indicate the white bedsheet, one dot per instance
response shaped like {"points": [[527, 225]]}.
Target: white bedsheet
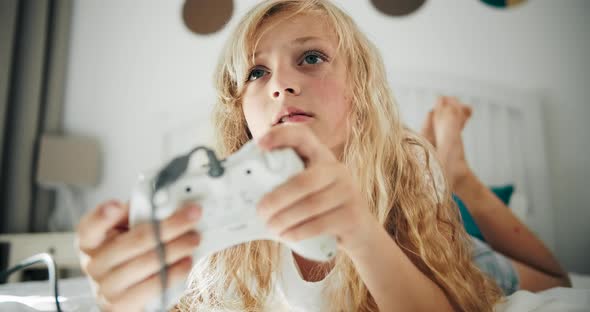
{"points": [[75, 295], [555, 299]]}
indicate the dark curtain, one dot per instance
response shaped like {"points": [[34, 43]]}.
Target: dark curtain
{"points": [[33, 56]]}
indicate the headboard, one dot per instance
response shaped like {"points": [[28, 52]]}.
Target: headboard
{"points": [[504, 140]]}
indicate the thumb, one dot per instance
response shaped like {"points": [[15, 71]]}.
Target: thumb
{"points": [[96, 226]]}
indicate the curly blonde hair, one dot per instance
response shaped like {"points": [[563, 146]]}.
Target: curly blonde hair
{"points": [[387, 160]]}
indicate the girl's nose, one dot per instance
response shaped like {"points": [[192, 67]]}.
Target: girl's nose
{"points": [[277, 94], [285, 82]]}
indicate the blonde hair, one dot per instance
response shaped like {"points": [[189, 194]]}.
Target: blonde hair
{"points": [[386, 159]]}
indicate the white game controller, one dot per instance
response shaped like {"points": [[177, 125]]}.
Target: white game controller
{"points": [[229, 201]]}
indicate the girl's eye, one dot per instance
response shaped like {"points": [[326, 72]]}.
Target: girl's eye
{"points": [[312, 57], [255, 74], [309, 57]]}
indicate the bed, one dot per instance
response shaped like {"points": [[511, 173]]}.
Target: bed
{"points": [[75, 295]]}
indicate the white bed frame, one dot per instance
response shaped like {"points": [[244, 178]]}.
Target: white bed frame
{"points": [[504, 140]]}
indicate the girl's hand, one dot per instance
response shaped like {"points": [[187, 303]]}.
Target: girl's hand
{"points": [[123, 264], [322, 199]]}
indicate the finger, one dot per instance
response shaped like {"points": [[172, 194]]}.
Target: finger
{"points": [[327, 222], [115, 232], [135, 298], [309, 207], [300, 138], [94, 227], [147, 264], [86, 257], [141, 239], [296, 188]]}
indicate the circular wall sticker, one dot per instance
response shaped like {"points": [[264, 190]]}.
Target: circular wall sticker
{"points": [[206, 16], [398, 7], [503, 3]]}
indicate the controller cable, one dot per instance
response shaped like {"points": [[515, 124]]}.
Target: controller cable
{"points": [[166, 176], [51, 268]]}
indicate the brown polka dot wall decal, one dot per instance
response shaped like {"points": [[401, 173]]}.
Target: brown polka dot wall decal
{"points": [[206, 16], [397, 7]]}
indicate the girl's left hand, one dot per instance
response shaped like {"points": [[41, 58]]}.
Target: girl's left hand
{"points": [[322, 199]]}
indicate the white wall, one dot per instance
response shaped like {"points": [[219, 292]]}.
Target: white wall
{"points": [[135, 69]]}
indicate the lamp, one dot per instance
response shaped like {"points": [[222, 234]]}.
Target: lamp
{"points": [[69, 164]]}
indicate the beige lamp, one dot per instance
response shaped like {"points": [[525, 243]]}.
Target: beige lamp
{"points": [[69, 164]]}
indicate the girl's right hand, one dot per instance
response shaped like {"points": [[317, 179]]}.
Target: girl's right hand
{"points": [[123, 264]]}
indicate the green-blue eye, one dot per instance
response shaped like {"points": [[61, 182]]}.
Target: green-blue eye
{"points": [[255, 74], [313, 57]]}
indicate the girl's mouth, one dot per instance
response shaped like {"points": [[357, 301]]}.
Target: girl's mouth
{"points": [[295, 117]]}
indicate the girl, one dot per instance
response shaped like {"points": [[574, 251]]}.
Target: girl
{"points": [[300, 74]]}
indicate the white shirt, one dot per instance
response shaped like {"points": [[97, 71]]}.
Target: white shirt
{"points": [[300, 294]]}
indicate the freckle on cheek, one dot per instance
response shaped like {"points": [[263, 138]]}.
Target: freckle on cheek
{"points": [[516, 230]]}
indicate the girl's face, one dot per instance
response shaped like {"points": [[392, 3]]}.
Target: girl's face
{"points": [[296, 69]]}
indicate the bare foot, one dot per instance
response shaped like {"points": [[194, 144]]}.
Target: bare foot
{"points": [[448, 119], [428, 129]]}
